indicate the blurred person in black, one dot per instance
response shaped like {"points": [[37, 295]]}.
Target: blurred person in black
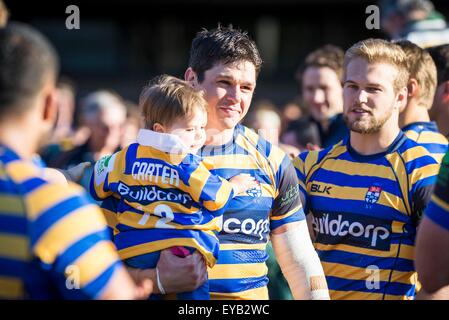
{"points": [[64, 136], [132, 125], [414, 20], [103, 113], [303, 135], [65, 100], [440, 108], [291, 111], [320, 79]]}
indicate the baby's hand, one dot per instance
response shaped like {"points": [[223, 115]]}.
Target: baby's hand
{"points": [[243, 182]]}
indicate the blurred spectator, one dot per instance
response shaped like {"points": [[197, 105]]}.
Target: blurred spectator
{"points": [[440, 109], [291, 111], [320, 78], [65, 101], [414, 20], [103, 113], [302, 133], [265, 118], [4, 14], [132, 125]]}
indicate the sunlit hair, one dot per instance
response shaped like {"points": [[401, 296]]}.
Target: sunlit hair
{"points": [[327, 56], [381, 51], [423, 69], [167, 99]]}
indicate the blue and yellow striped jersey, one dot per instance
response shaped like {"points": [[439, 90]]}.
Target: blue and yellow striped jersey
{"points": [[241, 272], [427, 135], [365, 210], [438, 208], [155, 198], [53, 241]]}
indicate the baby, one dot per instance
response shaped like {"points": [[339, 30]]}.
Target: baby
{"points": [[157, 193]]}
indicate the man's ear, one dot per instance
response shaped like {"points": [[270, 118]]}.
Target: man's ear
{"points": [[412, 88], [191, 77], [49, 112], [402, 98]]}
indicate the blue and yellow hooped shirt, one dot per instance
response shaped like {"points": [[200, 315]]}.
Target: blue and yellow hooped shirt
{"points": [[241, 272], [156, 195], [365, 211]]}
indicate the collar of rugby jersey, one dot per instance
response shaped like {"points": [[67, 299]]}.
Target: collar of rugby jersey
{"points": [[162, 141]]}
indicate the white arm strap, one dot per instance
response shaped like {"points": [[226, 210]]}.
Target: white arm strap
{"points": [[300, 264]]}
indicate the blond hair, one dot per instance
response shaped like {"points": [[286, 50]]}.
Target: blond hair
{"points": [[167, 99], [381, 51], [422, 68]]}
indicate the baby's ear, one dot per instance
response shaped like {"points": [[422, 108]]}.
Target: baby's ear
{"points": [[158, 128]]}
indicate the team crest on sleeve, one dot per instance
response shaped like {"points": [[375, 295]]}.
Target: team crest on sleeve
{"points": [[102, 168], [373, 194], [255, 192]]}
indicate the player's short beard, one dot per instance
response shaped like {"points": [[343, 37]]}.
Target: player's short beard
{"points": [[372, 126]]}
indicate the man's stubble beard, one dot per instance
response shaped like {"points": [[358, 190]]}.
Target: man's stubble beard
{"points": [[374, 125]]}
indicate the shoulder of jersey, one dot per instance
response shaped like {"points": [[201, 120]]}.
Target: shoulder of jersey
{"points": [[310, 158], [262, 145], [411, 150]]}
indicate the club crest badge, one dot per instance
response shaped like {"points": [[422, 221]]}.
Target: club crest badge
{"points": [[373, 194], [255, 192]]}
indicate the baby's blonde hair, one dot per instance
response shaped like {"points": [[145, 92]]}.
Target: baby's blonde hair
{"points": [[167, 99]]}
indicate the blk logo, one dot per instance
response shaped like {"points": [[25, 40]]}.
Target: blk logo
{"points": [[320, 188]]}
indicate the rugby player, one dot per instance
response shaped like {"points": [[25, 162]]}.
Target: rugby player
{"points": [[224, 62], [53, 240], [432, 243], [365, 195], [414, 117]]}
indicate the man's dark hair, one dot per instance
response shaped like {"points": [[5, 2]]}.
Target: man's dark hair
{"points": [[326, 56], [440, 55], [222, 45], [27, 60]]}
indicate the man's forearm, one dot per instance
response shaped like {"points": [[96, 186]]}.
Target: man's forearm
{"points": [[299, 263]]}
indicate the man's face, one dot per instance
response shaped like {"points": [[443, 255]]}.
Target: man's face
{"points": [[228, 90], [369, 97], [322, 92], [107, 128]]}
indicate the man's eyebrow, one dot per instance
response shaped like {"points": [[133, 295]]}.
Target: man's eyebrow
{"points": [[373, 84], [228, 77], [369, 84]]}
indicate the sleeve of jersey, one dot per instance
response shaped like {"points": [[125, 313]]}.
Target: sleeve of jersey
{"points": [[299, 165], [287, 205], [69, 235], [210, 191], [438, 208], [423, 179], [99, 182]]}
